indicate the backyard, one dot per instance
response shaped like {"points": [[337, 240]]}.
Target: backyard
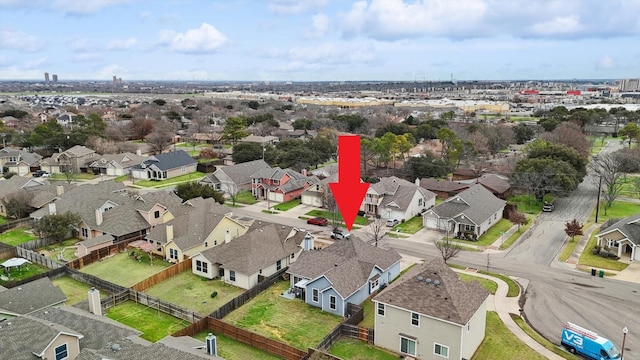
{"points": [[124, 270], [20, 272], [3, 220], [290, 321], [76, 291], [231, 349], [501, 344], [17, 236], [153, 324], [194, 292], [66, 248], [347, 348], [168, 182]]}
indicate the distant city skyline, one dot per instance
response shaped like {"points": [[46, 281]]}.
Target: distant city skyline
{"points": [[319, 40]]}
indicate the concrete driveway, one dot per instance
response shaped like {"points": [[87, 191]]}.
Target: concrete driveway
{"points": [[631, 273]]}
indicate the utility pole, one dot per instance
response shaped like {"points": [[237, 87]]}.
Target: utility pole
{"points": [[598, 201]]}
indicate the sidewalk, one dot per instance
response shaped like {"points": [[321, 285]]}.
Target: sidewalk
{"points": [[505, 306]]}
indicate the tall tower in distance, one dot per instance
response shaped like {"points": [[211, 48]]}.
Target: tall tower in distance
{"points": [[55, 78], [46, 77]]}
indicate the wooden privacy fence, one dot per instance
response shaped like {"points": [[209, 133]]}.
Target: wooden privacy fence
{"points": [[164, 306], [102, 253], [241, 299], [50, 274], [7, 251], [35, 244], [357, 332], [96, 281], [193, 329], [16, 223], [154, 279], [37, 258]]}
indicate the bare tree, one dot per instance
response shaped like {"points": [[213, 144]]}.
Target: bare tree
{"points": [[17, 204], [375, 229], [330, 203], [448, 249], [232, 191], [161, 137], [570, 135], [608, 168]]}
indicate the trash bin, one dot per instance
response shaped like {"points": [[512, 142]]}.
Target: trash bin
{"points": [[601, 274], [593, 272]]}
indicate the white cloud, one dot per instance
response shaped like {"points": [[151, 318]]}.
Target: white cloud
{"points": [[18, 40], [557, 26], [87, 57], [108, 71], [205, 39], [80, 44], [35, 64], [84, 7], [17, 73], [319, 26], [290, 7], [122, 44], [605, 62]]}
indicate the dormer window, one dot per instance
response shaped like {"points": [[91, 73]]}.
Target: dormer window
{"points": [[156, 214]]}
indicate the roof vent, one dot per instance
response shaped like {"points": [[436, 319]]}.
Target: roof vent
{"points": [[436, 282], [115, 347], [428, 281], [420, 278]]}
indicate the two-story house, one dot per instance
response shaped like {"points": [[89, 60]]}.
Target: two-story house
{"points": [[393, 198], [235, 178], [429, 313], [75, 159], [19, 161], [279, 185]]}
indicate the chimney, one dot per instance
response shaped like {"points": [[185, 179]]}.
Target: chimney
{"points": [[307, 242], [212, 345], [169, 228], [304, 172], [59, 190], [98, 216], [52, 208], [94, 302], [417, 181], [227, 237], [139, 152]]}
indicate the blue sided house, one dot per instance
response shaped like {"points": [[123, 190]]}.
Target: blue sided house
{"points": [[347, 271]]}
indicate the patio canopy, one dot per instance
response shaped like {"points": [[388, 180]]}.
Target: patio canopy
{"points": [[301, 283], [142, 245], [15, 262]]}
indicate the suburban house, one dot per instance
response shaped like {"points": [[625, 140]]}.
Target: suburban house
{"points": [[115, 164], [393, 198], [30, 298], [75, 159], [429, 313], [45, 340], [235, 178], [37, 192], [347, 271], [316, 194], [622, 237], [65, 119], [469, 214], [262, 251], [85, 247], [260, 140], [444, 189], [51, 164], [165, 166], [278, 185], [134, 214], [18, 161], [206, 224]]}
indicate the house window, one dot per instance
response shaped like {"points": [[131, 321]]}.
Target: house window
{"points": [[260, 271], [85, 232], [183, 169], [407, 346], [173, 254], [293, 255], [202, 266], [215, 242], [612, 243], [276, 182], [441, 350], [469, 228], [278, 265], [232, 275], [315, 295], [156, 214], [420, 202], [332, 302], [373, 285], [206, 244], [61, 352], [317, 187], [415, 319], [381, 309]]}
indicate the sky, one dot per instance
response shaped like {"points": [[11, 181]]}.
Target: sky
{"points": [[319, 40]]}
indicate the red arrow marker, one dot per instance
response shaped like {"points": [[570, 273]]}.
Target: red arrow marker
{"points": [[349, 191]]}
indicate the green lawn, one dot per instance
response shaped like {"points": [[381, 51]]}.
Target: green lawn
{"points": [[231, 349], [490, 285], [527, 203], [194, 292], [501, 344], [514, 288], [3, 220], [347, 349], [360, 220], [66, 248], [619, 210], [587, 258], [76, 291], [541, 340], [290, 321], [17, 236], [369, 314], [287, 205], [24, 272], [523, 228], [629, 187], [494, 233], [245, 197], [153, 324], [77, 176], [121, 178], [168, 182], [124, 270], [410, 226]]}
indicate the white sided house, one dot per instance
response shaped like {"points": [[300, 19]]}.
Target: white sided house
{"points": [[430, 314], [622, 237], [393, 198]]}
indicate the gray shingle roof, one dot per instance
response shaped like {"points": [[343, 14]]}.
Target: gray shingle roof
{"points": [[96, 241], [443, 185], [452, 300], [23, 336], [629, 226], [78, 151], [261, 246], [167, 161], [346, 263], [476, 203], [125, 160], [30, 297], [10, 186], [129, 350], [240, 174]]}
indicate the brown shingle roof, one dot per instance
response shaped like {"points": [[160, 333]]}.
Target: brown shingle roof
{"points": [[451, 300]]}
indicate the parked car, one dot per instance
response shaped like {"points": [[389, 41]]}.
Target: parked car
{"points": [[39, 173], [339, 234], [318, 221], [392, 222], [548, 207]]}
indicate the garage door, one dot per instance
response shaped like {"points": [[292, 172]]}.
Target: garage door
{"points": [[432, 223]]}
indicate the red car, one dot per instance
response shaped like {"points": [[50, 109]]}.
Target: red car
{"points": [[318, 221]]}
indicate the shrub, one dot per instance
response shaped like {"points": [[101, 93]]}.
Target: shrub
{"points": [[214, 294], [604, 253]]}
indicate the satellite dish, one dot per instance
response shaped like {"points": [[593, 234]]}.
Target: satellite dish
{"points": [[115, 347], [428, 281], [436, 282], [420, 278]]}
